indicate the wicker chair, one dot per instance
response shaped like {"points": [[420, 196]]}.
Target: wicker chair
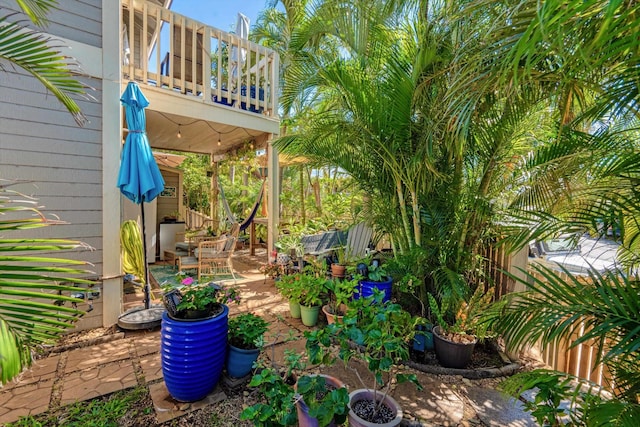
{"points": [[212, 257]]}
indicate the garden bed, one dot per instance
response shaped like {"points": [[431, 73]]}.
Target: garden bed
{"points": [[487, 361]]}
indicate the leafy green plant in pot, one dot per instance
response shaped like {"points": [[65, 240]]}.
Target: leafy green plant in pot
{"points": [[290, 288], [378, 333], [454, 343], [377, 278], [340, 293], [339, 266], [423, 339], [312, 294], [319, 400], [277, 407], [246, 339], [289, 246], [191, 368], [186, 299]]}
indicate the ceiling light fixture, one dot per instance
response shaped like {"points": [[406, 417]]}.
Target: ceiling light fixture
{"points": [[219, 141], [179, 135]]}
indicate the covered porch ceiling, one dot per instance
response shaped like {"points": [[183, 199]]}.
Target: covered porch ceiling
{"points": [[181, 122], [180, 133]]}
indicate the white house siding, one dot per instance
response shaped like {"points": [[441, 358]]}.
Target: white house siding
{"points": [[40, 142]]}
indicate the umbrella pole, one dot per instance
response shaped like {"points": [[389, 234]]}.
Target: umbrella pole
{"points": [[147, 290]]}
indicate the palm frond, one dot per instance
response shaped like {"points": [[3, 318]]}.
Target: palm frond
{"points": [[33, 285], [35, 53], [37, 10], [559, 304]]}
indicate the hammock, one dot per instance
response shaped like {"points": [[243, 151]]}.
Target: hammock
{"points": [[247, 221]]}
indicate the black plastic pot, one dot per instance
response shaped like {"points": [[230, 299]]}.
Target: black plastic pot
{"points": [[452, 354]]}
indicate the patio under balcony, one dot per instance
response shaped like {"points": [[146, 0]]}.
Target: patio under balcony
{"points": [[210, 91]]}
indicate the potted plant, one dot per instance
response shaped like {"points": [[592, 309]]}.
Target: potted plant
{"points": [[378, 333], [193, 337], [272, 270], [339, 264], [454, 343], [312, 291], [246, 339], [319, 400], [375, 277], [290, 289], [340, 293], [408, 285], [289, 247]]}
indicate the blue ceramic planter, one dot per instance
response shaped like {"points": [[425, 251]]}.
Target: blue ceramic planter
{"points": [[367, 287], [423, 340], [192, 353], [240, 361]]}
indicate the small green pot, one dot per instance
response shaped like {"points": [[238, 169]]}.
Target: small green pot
{"points": [[309, 315], [294, 309]]}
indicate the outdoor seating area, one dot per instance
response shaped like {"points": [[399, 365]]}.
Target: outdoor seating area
{"points": [[442, 223]]}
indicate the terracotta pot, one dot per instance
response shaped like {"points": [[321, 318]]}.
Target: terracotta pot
{"points": [[333, 318], [452, 354], [338, 270], [365, 394]]}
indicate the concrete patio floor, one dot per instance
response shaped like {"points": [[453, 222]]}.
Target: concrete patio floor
{"points": [[131, 358]]}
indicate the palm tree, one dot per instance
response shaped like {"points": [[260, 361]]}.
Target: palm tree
{"points": [[582, 56], [436, 184], [606, 306], [32, 282]]}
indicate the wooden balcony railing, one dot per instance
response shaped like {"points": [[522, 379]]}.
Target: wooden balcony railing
{"points": [[177, 53]]}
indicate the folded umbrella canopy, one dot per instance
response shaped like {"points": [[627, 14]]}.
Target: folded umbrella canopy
{"points": [[139, 178]]}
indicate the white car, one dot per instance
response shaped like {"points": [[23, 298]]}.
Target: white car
{"points": [[581, 256]]}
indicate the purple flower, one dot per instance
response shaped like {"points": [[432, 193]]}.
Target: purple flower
{"points": [[187, 281]]}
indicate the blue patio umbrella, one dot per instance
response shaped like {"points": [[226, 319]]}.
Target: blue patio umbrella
{"points": [[139, 178]]}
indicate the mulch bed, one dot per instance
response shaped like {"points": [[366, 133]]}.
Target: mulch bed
{"points": [[487, 361]]}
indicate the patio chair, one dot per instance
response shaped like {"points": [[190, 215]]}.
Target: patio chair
{"points": [[212, 257], [358, 241]]}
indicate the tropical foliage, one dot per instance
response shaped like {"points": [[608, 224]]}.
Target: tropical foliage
{"points": [[558, 307], [34, 285], [475, 123], [36, 54], [433, 182]]}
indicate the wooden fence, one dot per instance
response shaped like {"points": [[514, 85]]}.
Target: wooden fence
{"points": [[579, 360]]}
